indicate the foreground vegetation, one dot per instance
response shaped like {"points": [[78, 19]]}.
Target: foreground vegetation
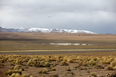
{"points": [[60, 65]]}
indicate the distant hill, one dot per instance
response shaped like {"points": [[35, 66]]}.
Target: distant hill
{"points": [[45, 30]]}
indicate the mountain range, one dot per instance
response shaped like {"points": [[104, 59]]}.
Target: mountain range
{"points": [[44, 30]]}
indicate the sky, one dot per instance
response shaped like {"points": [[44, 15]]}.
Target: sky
{"points": [[93, 15]]}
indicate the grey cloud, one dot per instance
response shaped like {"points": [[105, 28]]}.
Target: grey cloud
{"points": [[75, 14]]}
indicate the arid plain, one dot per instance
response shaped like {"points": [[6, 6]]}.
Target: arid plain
{"points": [[33, 55]]}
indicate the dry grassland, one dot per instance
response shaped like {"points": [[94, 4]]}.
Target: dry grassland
{"points": [[34, 41], [27, 56], [102, 64]]}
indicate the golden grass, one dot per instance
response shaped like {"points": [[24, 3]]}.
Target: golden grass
{"points": [[101, 60], [33, 41], [59, 36]]}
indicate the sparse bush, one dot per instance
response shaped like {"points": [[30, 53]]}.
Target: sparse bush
{"points": [[93, 74], [47, 64], [43, 71], [25, 75], [17, 75], [92, 62], [109, 68], [18, 62], [113, 64], [10, 72], [70, 61], [17, 67], [80, 63], [13, 75], [52, 69], [63, 63]]}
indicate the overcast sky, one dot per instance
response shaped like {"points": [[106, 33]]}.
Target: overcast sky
{"points": [[94, 15]]}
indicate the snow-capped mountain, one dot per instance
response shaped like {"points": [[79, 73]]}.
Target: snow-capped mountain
{"points": [[45, 30]]}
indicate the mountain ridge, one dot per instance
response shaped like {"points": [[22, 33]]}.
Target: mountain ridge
{"points": [[45, 30]]}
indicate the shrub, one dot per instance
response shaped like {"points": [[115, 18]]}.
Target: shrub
{"points": [[92, 62], [80, 63], [18, 62], [25, 75], [70, 61], [64, 63], [17, 67], [109, 68], [93, 74], [17, 75], [13, 75], [114, 67], [47, 64], [43, 71], [52, 69], [113, 63], [10, 72]]}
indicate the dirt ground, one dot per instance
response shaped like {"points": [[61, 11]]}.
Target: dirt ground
{"points": [[56, 69], [51, 52], [61, 71]]}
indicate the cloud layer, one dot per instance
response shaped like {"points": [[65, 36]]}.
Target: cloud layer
{"points": [[94, 15]]}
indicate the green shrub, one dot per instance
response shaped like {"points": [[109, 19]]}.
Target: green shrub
{"points": [[93, 74], [47, 64]]}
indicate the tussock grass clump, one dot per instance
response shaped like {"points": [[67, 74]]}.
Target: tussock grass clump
{"points": [[1, 60], [106, 60], [63, 63], [114, 68], [52, 69], [32, 63], [70, 61], [92, 62], [43, 71], [94, 75], [113, 64], [19, 62], [17, 67], [25, 75], [17, 75], [13, 75], [10, 72], [47, 64], [109, 68], [80, 63]]}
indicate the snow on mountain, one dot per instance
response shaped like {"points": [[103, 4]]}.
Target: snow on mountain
{"points": [[45, 30], [38, 30]]}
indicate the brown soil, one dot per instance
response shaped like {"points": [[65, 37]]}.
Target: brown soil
{"points": [[71, 70], [51, 52]]}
